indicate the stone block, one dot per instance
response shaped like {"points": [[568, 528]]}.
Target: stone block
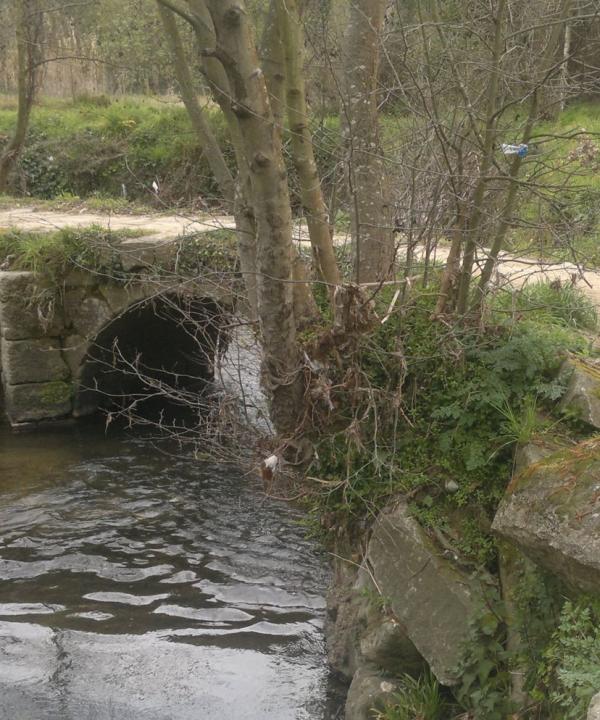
{"points": [[37, 401], [551, 512], [32, 361], [74, 350], [89, 315], [427, 592], [83, 280], [533, 452], [582, 398], [15, 283], [21, 315], [121, 297]]}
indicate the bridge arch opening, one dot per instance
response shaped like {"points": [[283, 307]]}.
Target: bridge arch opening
{"points": [[154, 361]]}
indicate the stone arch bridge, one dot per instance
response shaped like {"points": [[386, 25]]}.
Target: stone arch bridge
{"points": [[56, 341]]}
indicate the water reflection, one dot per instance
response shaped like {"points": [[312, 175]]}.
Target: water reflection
{"points": [[138, 586]]}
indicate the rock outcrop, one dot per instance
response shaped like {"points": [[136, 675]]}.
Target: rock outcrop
{"points": [[582, 398], [406, 607], [426, 591], [368, 691], [594, 711], [551, 511]]}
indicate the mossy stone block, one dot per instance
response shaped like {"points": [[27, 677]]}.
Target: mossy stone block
{"points": [[32, 361], [37, 401]]}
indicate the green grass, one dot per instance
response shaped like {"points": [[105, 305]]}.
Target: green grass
{"points": [[66, 202], [87, 147], [52, 253], [547, 303], [562, 220], [419, 698]]}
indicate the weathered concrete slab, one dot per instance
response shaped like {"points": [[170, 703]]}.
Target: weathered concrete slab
{"points": [[582, 398], [432, 598], [37, 401], [551, 511], [32, 361]]}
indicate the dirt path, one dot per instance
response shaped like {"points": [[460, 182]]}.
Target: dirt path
{"points": [[511, 270], [519, 271], [157, 226]]}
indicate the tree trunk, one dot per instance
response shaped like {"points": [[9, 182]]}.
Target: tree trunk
{"points": [[317, 217], [511, 568], [207, 140], [371, 217], [236, 50], [487, 157], [200, 20], [28, 32]]}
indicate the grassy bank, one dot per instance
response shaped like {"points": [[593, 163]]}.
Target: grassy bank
{"points": [[432, 413], [98, 149], [107, 153], [113, 147]]}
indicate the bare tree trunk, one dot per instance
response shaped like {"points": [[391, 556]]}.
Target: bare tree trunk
{"points": [[317, 217], [236, 49], [487, 157], [509, 206], [200, 20], [207, 140], [511, 567], [371, 218], [28, 32], [272, 56]]}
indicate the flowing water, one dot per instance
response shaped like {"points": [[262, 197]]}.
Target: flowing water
{"points": [[139, 586]]}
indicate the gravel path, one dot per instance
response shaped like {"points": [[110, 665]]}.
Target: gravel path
{"points": [[163, 226], [516, 271]]}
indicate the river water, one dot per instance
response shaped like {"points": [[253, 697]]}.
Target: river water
{"points": [[136, 585]]}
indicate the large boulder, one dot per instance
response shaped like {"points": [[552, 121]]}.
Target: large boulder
{"points": [[428, 594], [344, 626], [360, 631], [594, 711], [369, 691], [582, 398], [551, 511], [385, 644]]}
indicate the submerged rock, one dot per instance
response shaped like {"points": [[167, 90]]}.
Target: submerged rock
{"points": [[582, 398], [551, 511], [428, 594]]}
